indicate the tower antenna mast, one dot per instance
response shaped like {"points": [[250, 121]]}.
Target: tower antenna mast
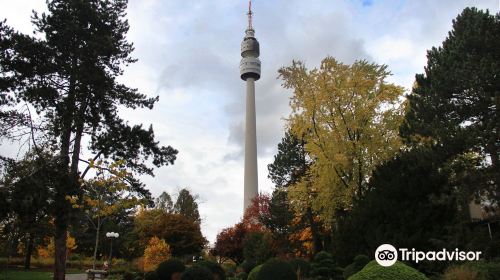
{"points": [[250, 14]]}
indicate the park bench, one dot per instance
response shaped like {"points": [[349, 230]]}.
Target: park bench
{"points": [[96, 274]]}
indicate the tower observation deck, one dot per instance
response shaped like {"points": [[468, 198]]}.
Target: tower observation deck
{"points": [[250, 72]]}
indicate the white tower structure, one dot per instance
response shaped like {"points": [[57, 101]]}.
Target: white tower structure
{"points": [[250, 72]]}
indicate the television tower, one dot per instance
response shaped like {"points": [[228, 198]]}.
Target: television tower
{"points": [[250, 72]]}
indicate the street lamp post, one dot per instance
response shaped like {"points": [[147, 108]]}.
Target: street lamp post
{"points": [[111, 235]]}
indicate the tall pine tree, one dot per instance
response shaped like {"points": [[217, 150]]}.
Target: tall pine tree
{"points": [[455, 103], [68, 72]]}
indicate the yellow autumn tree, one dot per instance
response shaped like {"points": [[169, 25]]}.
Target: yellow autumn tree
{"points": [[48, 251], [105, 195], [155, 253], [349, 118]]}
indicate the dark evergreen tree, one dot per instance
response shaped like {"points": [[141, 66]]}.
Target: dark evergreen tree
{"points": [[290, 163], [186, 205], [455, 103], [324, 268], [279, 220], [409, 204], [68, 74], [290, 166]]}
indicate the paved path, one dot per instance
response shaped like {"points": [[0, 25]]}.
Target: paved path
{"points": [[76, 276]]}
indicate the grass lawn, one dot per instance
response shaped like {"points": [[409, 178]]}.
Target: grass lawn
{"points": [[25, 275]]}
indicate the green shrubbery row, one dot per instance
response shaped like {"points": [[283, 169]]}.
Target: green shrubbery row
{"points": [[323, 267]]}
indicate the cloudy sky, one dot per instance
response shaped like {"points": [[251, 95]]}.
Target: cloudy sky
{"points": [[189, 54]]}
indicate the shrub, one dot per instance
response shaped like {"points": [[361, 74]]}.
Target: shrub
{"points": [[481, 270], [242, 275], [460, 273], [359, 262], [253, 274], [276, 269], [151, 275], [197, 272], [301, 267], [156, 252], [75, 257], [166, 269], [247, 266], [128, 276], [323, 267], [230, 269], [257, 247], [217, 271], [398, 271]]}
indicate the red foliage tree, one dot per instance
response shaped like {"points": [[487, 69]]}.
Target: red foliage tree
{"points": [[254, 213], [230, 241]]}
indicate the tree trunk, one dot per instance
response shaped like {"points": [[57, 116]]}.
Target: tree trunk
{"points": [[60, 246], [29, 251], [66, 182], [96, 243], [61, 209], [317, 245]]}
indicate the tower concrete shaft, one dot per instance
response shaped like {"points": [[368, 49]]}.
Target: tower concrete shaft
{"points": [[250, 72], [251, 178]]}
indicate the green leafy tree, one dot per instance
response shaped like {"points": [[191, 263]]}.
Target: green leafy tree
{"points": [[258, 247], [455, 103], [182, 234], [28, 187], [164, 201], [187, 206], [68, 74]]}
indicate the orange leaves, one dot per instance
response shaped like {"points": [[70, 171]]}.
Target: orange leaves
{"points": [[305, 239], [48, 251], [155, 253]]}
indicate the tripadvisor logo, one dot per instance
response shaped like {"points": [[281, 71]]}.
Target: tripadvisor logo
{"points": [[387, 255]]}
